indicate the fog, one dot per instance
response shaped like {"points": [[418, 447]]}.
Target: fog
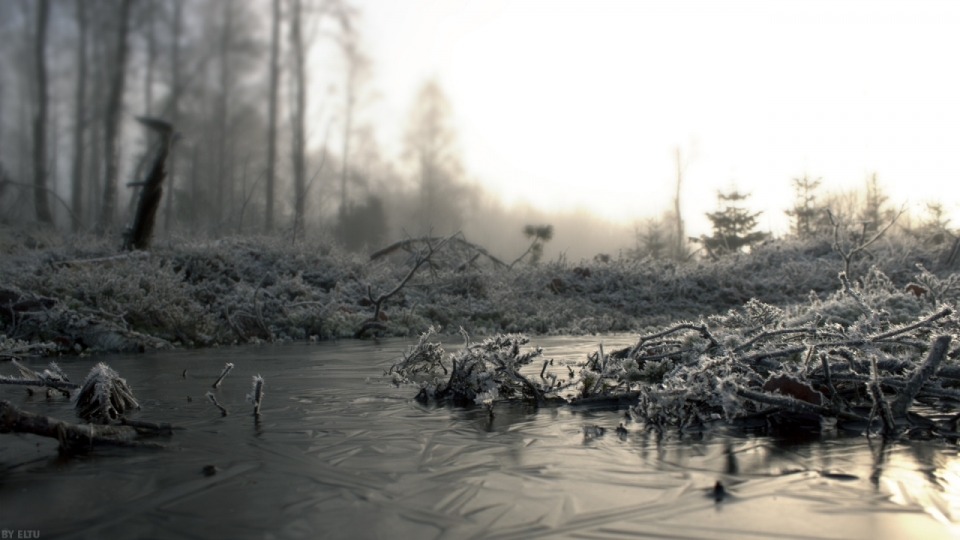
{"points": [[372, 121]]}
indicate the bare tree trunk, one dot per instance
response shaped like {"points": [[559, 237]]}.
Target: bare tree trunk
{"points": [[194, 183], [151, 194], [222, 109], [272, 126], [347, 128], [676, 208], [150, 14], [80, 118], [112, 121], [298, 120], [174, 105], [40, 120]]}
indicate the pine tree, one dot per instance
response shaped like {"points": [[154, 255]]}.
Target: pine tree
{"points": [[804, 211], [873, 212], [652, 241], [733, 225]]}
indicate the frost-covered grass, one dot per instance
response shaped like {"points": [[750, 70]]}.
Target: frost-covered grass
{"points": [[79, 295]]}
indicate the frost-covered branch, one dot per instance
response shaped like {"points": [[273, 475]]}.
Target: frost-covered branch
{"points": [[103, 396], [226, 369], [256, 396]]}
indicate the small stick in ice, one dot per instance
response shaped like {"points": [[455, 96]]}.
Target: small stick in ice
{"points": [[213, 399], [226, 369], [256, 395]]}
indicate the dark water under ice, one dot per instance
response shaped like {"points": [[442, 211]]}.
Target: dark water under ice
{"points": [[340, 453]]}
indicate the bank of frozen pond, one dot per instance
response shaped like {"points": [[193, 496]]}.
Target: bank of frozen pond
{"points": [[340, 452]]}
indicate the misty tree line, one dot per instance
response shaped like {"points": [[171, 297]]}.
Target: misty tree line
{"points": [[814, 215], [255, 147]]}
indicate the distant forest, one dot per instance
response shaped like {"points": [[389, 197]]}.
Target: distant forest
{"points": [[260, 151]]}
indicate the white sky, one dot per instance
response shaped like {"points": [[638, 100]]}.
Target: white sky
{"points": [[580, 104]]}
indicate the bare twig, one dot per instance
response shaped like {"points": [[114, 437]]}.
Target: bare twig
{"points": [[880, 404], [795, 405], [213, 399], [848, 254], [256, 396], [226, 369], [59, 385], [422, 256]]}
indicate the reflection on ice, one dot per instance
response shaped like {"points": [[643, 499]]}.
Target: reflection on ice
{"points": [[338, 452]]}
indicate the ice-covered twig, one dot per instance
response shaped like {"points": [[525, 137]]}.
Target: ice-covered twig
{"points": [[680, 352], [828, 379], [795, 405], [226, 369], [267, 278], [702, 328], [52, 377], [213, 399], [847, 288], [880, 404], [257, 394], [756, 358], [925, 322], [772, 333], [59, 385], [929, 367]]}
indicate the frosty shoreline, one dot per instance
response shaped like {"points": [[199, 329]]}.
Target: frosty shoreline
{"points": [[80, 296]]}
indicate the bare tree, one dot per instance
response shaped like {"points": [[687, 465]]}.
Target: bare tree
{"points": [[357, 74], [112, 119], [149, 13], [140, 234], [40, 120], [676, 205], [174, 102], [272, 119], [431, 145], [80, 117], [298, 45], [223, 112]]}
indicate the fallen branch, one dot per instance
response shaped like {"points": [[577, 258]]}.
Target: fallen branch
{"points": [[795, 405], [72, 437], [404, 244], [162, 428], [929, 367], [422, 257], [59, 385]]}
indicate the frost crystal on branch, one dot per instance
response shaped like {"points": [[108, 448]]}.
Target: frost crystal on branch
{"points": [[104, 396], [256, 395]]}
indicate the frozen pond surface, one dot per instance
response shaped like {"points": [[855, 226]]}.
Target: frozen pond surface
{"points": [[340, 453]]}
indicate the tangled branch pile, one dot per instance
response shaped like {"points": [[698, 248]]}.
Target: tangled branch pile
{"points": [[870, 351], [479, 373]]}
